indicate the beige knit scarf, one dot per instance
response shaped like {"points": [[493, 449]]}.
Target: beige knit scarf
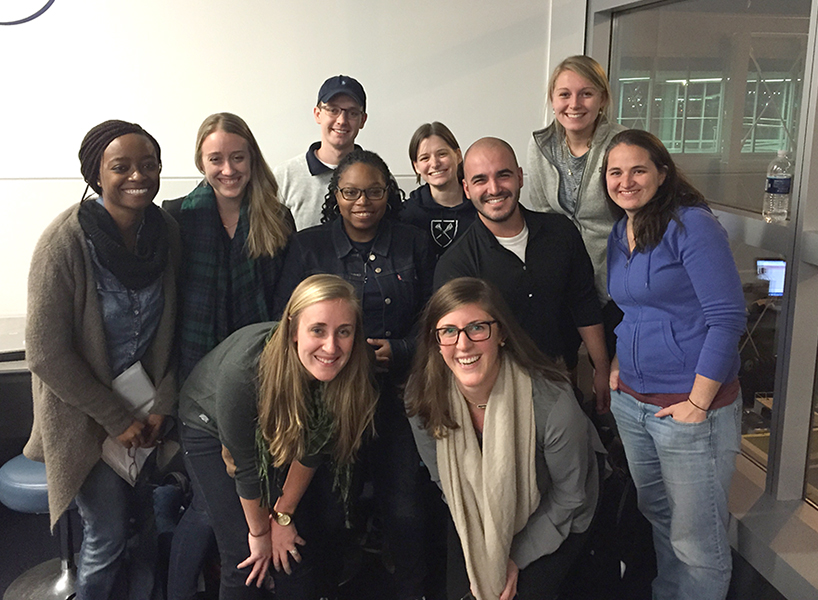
{"points": [[491, 494]]}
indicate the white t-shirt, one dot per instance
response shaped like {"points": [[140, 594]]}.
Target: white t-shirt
{"points": [[516, 243]]}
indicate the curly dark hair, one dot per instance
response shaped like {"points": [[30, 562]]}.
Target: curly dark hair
{"points": [[394, 195], [650, 223]]}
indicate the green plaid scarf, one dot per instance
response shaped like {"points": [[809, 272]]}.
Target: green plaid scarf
{"points": [[320, 431], [222, 286]]}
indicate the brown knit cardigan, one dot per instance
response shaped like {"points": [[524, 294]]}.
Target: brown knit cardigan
{"points": [[74, 406]]}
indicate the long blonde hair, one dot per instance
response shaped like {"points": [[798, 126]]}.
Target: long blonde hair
{"points": [[269, 231], [427, 391], [284, 382]]}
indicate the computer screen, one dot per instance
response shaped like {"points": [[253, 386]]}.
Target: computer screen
{"points": [[773, 270]]}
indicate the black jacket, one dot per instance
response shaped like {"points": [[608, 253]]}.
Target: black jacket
{"points": [[551, 294]]}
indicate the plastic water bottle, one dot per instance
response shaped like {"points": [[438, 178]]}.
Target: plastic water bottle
{"points": [[777, 192]]}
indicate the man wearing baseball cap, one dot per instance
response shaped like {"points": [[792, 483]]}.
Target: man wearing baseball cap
{"points": [[303, 180]]}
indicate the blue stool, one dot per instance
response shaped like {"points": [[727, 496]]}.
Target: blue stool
{"points": [[23, 488]]}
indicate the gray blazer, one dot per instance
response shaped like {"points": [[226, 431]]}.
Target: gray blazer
{"points": [[567, 470]]}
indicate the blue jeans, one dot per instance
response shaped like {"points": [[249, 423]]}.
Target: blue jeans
{"points": [[192, 541], [682, 473], [106, 504]]}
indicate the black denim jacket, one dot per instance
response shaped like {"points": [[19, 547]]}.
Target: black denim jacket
{"points": [[400, 260]]}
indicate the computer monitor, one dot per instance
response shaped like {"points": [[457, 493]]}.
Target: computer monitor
{"points": [[772, 270]]}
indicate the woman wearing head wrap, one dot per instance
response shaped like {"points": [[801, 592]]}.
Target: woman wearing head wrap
{"points": [[101, 298]]}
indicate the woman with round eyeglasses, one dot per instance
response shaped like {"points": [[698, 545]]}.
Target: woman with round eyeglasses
{"points": [[391, 267], [439, 206], [498, 426]]}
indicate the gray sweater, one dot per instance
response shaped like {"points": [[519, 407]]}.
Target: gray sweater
{"points": [[594, 216], [75, 408], [302, 191], [220, 397], [566, 465]]}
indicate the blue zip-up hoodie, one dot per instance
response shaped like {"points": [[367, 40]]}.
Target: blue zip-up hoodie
{"points": [[683, 304]]}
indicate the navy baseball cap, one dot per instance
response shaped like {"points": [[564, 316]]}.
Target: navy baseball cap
{"points": [[342, 84]]}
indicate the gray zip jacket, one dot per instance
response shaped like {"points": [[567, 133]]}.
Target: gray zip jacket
{"points": [[594, 216]]}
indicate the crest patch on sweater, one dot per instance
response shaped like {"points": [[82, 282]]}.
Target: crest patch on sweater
{"points": [[443, 231]]}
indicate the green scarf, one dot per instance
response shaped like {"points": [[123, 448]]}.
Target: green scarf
{"points": [[222, 288], [319, 435]]}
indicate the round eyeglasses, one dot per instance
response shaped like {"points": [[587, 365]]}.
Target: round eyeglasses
{"points": [[478, 331], [373, 193]]}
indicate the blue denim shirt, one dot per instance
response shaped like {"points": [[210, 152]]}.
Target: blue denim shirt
{"points": [[130, 317], [400, 260]]}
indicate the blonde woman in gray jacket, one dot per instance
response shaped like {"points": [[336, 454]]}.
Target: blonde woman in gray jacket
{"points": [[564, 161]]}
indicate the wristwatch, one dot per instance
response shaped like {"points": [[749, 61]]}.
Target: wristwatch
{"points": [[282, 519]]}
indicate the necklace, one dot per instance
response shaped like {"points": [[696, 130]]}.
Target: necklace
{"points": [[480, 406]]}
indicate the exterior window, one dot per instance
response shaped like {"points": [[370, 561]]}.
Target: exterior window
{"points": [[719, 82], [684, 113]]}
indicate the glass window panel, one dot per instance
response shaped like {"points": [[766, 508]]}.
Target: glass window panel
{"points": [[762, 278], [726, 103]]}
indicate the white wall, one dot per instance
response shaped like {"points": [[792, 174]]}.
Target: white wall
{"points": [[480, 67]]}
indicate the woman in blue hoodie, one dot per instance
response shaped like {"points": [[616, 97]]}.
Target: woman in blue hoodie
{"points": [[675, 391]]}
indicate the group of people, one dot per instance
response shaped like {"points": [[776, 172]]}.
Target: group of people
{"points": [[308, 328]]}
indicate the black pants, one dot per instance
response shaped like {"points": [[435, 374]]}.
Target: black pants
{"points": [[393, 463], [319, 519], [541, 580]]}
